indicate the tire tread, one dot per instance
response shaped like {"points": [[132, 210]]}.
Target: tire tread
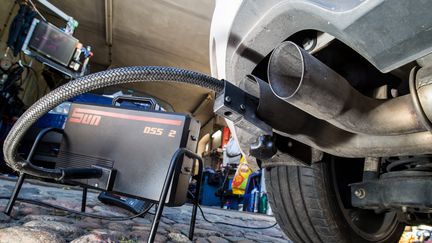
{"points": [[309, 221], [305, 206]]}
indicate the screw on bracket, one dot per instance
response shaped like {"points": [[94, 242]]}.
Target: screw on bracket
{"points": [[360, 193]]}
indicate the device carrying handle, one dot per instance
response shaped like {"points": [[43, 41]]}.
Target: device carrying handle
{"points": [[118, 99]]}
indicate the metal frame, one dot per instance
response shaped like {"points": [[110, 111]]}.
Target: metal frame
{"points": [[166, 186], [71, 22], [56, 10], [176, 158], [22, 176]]}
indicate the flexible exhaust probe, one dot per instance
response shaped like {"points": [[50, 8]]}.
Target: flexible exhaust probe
{"points": [[83, 85]]}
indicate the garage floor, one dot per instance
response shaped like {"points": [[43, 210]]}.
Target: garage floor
{"points": [[34, 224]]}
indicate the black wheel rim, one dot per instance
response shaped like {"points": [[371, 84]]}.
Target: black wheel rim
{"points": [[367, 224]]}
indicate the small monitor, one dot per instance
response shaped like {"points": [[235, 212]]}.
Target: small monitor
{"points": [[53, 43]]}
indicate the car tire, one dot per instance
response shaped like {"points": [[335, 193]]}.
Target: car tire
{"points": [[306, 207]]}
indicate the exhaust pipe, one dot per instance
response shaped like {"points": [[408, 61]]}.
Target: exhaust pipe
{"points": [[421, 92], [324, 111], [289, 121], [303, 81]]}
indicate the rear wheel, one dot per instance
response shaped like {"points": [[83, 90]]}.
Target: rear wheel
{"points": [[312, 204]]}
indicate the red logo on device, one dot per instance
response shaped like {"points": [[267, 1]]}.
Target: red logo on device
{"points": [[83, 118], [93, 117]]}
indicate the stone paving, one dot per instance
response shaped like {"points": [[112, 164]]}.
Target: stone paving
{"points": [[29, 223]]}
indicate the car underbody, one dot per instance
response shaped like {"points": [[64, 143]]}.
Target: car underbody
{"points": [[344, 107]]}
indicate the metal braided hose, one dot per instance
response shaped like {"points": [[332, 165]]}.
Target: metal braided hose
{"points": [[82, 85]]}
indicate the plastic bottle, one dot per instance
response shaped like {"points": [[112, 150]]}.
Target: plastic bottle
{"points": [[252, 200], [256, 200], [263, 203]]}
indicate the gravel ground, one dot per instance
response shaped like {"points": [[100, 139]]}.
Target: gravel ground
{"points": [[35, 224]]}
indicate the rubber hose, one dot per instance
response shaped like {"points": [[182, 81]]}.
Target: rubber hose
{"points": [[83, 85]]}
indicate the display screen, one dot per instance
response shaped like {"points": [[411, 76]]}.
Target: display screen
{"points": [[53, 43]]}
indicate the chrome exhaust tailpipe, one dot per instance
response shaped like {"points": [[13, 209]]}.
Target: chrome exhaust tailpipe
{"points": [[300, 79], [338, 119]]}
